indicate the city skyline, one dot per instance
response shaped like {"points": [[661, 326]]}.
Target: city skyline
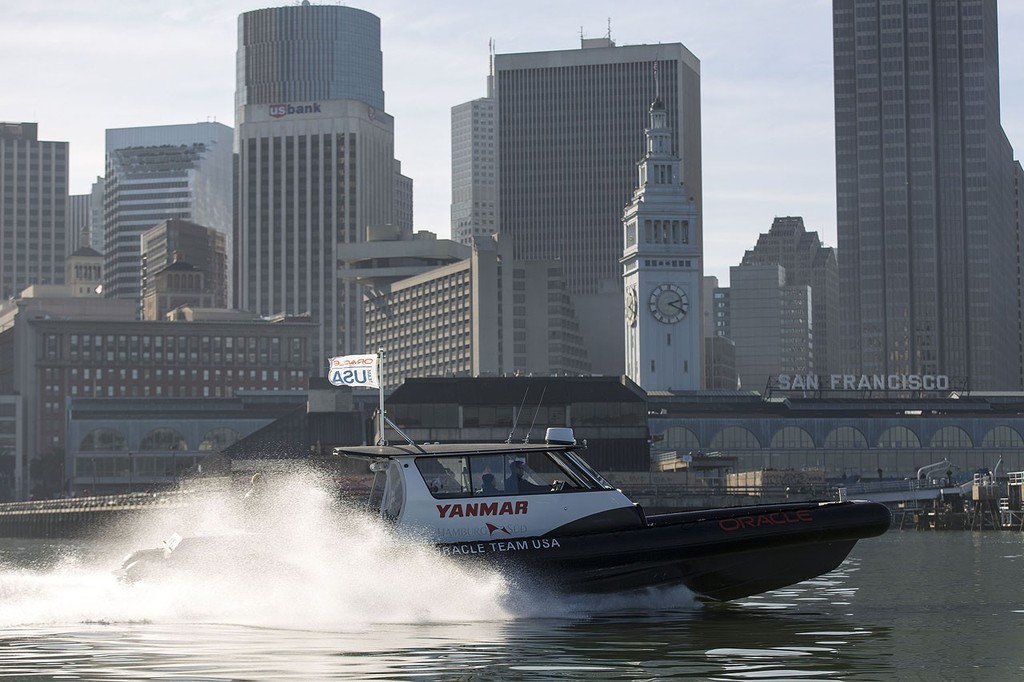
{"points": [[766, 88]]}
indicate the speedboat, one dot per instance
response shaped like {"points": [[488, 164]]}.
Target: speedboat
{"points": [[541, 512]]}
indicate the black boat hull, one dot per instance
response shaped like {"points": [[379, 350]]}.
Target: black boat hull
{"points": [[719, 554]]}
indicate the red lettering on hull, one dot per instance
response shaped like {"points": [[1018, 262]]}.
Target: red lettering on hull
{"points": [[755, 521]]}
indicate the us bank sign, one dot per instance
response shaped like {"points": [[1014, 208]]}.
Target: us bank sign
{"points": [[279, 110], [862, 382]]}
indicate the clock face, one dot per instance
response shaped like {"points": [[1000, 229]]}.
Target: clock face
{"points": [[669, 304], [631, 306]]}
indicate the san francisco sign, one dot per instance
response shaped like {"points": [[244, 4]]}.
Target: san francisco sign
{"points": [[862, 382]]}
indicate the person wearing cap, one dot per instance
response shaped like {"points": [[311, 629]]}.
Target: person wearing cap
{"points": [[517, 481]]}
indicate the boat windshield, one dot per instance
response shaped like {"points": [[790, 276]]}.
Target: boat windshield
{"points": [[516, 473]]}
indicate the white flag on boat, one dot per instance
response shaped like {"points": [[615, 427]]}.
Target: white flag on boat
{"points": [[353, 370]]}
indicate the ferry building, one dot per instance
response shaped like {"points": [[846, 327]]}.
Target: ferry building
{"points": [[847, 426]]}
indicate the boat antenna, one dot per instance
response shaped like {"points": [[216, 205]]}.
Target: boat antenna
{"points": [[516, 420], [535, 412]]}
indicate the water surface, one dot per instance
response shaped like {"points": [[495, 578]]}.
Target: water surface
{"points": [[333, 596]]}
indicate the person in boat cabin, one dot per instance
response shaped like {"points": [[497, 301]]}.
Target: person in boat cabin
{"points": [[517, 481], [489, 484]]}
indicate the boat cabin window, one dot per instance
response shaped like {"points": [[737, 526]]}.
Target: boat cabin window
{"points": [[394, 492], [519, 473]]}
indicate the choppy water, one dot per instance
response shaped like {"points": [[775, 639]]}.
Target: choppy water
{"points": [[335, 597]]}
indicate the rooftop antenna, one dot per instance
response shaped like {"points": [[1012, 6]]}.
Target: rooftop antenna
{"points": [[516, 421], [535, 412], [609, 34], [581, 36]]}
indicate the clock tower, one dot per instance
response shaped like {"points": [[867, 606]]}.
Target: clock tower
{"points": [[661, 270]]}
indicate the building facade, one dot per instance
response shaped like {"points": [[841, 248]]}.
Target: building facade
{"points": [[474, 169], [807, 262], [157, 173], [924, 192], [118, 445], [469, 318], [182, 241], [33, 209], [315, 164], [846, 439], [661, 271], [569, 131], [54, 347], [771, 325]]}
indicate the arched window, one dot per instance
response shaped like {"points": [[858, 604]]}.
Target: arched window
{"points": [[792, 437], [898, 437], [845, 437], [99, 440], [1003, 437], [951, 437], [735, 438], [163, 439], [219, 438], [680, 439]]}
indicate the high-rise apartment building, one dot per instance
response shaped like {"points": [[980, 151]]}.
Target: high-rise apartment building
{"points": [[315, 164], [924, 183], [154, 174], [569, 130], [33, 209], [807, 262]]}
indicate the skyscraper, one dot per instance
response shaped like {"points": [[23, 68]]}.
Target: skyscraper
{"points": [[807, 262], [33, 208], [474, 168], [924, 184], [156, 173], [570, 128], [315, 164]]}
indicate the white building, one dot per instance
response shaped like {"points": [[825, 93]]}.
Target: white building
{"points": [[661, 270]]}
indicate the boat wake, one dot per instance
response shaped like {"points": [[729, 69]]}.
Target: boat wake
{"points": [[297, 559]]}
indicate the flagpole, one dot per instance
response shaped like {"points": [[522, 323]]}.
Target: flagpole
{"points": [[380, 393]]}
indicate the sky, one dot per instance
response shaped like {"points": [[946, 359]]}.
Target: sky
{"points": [[77, 68]]}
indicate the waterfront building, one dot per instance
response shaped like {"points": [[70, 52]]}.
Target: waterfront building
{"points": [[118, 445], [569, 129], [807, 262], [196, 253], [60, 347], [924, 188], [609, 413], [847, 437], [661, 270], [470, 317], [771, 324], [315, 165], [157, 173], [33, 208]]}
